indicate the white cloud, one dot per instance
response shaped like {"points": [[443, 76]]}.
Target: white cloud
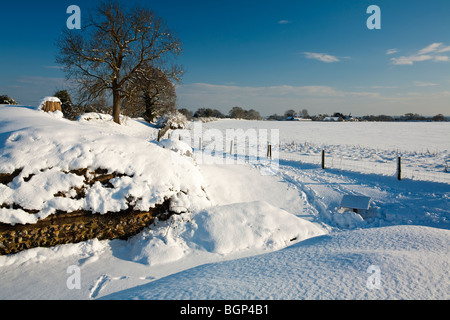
{"points": [[284, 22], [441, 58], [445, 49], [429, 53], [431, 48], [391, 51], [410, 60], [424, 84], [383, 87], [323, 57]]}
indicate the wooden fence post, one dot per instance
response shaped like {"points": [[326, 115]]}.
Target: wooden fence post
{"points": [[323, 159], [399, 168], [231, 147], [159, 135], [269, 151]]}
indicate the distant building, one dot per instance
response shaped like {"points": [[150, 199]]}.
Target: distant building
{"points": [[332, 119], [340, 117]]}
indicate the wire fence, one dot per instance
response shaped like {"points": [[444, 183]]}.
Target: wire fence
{"points": [[409, 168], [423, 166]]}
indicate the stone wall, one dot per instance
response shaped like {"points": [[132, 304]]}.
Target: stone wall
{"points": [[62, 228]]}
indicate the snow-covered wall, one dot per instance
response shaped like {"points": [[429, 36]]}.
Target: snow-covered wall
{"points": [[75, 227]]}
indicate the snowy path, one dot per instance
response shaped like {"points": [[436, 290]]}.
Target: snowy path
{"points": [[394, 202]]}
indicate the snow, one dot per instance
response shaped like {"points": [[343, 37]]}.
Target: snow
{"points": [[240, 233], [355, 202], [403, 136], [48, 148], [367, 147], [222, 230], [413, 262]]}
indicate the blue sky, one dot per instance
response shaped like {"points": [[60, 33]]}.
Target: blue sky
{"points": [[267, 55]]}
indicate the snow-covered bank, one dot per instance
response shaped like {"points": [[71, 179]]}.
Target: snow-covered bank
{"points": [[47, 148], [411, 263]]}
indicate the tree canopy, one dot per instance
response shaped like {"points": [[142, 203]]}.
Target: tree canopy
{"points": [[118, 52]]}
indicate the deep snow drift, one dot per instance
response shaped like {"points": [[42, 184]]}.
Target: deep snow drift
{"points": [[413, 263], [242, 234]]}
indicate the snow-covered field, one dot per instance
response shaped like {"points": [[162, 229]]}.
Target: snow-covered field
{"points": [[251, 230], [366, 147]]}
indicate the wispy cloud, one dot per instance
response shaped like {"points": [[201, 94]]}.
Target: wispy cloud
{"points": [[318, 98], [383, 87], [445, 49], [29, 90], [441, 58], [431, 48], [410, 59], [53, 67], [432, 52], [391, 51], [424, 84], [37, 81], [323, 57], [267, 91], [284, 22]]}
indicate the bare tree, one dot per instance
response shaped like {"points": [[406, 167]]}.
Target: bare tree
{"points": [[290, 114], [117, 49], [151, 94], [237, 113], [304, 114]]}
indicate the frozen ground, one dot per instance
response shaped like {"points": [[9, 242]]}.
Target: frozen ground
{"points": [[259, 236]]}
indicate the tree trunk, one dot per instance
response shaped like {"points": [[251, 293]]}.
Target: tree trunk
{"points": [[116, 107]]}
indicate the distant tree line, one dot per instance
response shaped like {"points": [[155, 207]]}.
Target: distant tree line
{"points": [[234, 113], [405, 117], [338, 116], [163, 102]]}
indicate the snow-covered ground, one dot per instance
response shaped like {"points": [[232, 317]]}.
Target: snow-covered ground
{"points": [[253, 235], [411, 263], [367, 147]]}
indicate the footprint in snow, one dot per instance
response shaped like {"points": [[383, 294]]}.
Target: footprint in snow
{"points": [[103, 280]]}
